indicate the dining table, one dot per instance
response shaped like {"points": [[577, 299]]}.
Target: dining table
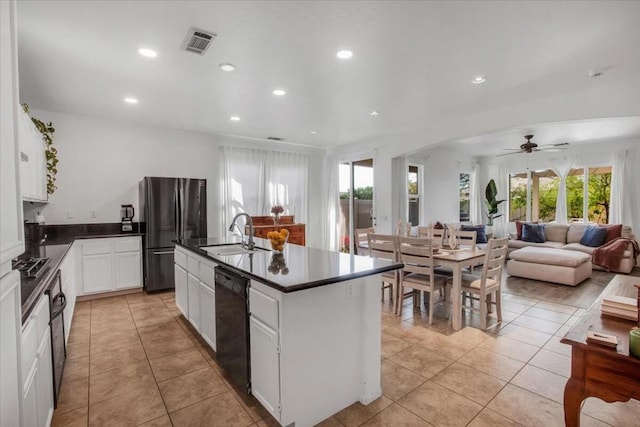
{"points": [[456, 260]]}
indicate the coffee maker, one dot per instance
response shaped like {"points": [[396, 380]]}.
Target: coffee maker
{"points": [[127, 212]]}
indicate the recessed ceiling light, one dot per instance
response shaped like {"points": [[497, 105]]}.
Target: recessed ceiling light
{"points": [[374, 113], [314, 132], [227, 67], [279, 92], [130, 100], [234, 118], [344, 54], [147, 52], [478, 79]]}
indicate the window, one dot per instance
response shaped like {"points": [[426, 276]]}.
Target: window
{"points": [[575, 195], [414, 194], [544, 185], [465, 200], [518, 197], [599, 194]]}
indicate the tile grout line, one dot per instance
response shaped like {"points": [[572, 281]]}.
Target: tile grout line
{"points": [[146, 355]]}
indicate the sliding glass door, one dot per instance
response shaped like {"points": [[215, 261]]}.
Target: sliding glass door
{"points": [[356, 209]]}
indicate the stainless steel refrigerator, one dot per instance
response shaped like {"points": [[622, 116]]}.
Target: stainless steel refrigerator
{"points": [[171, 209]]}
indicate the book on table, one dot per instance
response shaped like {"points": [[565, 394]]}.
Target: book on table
{"points": [[619, 306]]}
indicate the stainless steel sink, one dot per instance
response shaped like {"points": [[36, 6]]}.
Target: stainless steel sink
{"points": [[225, 250]]}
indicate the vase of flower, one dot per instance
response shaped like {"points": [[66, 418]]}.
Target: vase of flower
{"points": [[276, 210]]}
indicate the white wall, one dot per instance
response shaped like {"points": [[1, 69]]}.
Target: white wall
{"points": [[102, 161], [442, 183]]}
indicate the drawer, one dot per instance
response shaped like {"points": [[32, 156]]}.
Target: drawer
{"points": [[180, 258], [40, 317], [193, 266], [264, 308], [127, 245], [96, 246], [207, 274], [29, 347]]}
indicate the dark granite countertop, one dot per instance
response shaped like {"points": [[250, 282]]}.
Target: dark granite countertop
{"points": [[297, 268], [54, 248], [32, 289]]}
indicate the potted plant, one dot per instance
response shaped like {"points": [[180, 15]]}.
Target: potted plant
{"points": [[491, 194]]}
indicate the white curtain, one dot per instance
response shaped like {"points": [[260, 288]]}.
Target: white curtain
{"points": [[561, 166], [242, 183], [475, 196], [286, 178], [617, 187], [399, 198], [332, 194], [254, 180], [502, 185]]}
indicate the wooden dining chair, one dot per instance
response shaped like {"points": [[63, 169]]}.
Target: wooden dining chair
{"points": [[488, 283], [466, 238], [418, 272], [384, 246], [361, 238]]}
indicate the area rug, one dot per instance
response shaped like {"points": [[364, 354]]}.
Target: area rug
{"points": [[581, 296]]}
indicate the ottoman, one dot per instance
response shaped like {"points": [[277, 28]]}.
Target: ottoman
{"points": [[550, 265]]}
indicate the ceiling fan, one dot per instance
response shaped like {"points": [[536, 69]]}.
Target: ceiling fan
{"points": [[530, 147]]}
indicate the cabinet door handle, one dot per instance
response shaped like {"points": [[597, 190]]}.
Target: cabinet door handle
{"points": [[163, 253]]}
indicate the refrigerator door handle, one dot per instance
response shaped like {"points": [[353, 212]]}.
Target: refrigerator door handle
{"points": [[177, 208], [163, 252]]}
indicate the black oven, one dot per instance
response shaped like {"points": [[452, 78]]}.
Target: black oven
{"points": [[57, 304]]}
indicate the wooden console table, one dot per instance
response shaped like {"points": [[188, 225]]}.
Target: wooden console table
{"points": [[264, 224], [611, 375]]}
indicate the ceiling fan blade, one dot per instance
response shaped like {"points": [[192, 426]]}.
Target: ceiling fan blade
{"points": [[552, 149], [558, 144], [514, 152], [512, 149]]}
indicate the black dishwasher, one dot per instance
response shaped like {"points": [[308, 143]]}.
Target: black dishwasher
{"points": [[232, 327]]}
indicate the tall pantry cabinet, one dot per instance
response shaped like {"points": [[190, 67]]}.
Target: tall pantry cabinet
{"points": [[11, 229]]}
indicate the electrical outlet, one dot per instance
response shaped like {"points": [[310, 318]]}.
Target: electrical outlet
{"points": [[70, 214], [349, 290], [92, 214]]}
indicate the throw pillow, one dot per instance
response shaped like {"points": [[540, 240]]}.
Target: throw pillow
{"points": [[533, 233], [593, 236], [519, 225], [613, 231], [481, 234]]}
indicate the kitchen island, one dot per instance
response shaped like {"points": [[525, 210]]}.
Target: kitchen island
{"points": [[313, 320]]}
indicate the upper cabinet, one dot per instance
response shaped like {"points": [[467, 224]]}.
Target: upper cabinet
{"points": [[11, 227], [33, 163]]}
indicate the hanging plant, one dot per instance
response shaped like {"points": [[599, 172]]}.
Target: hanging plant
{"points": [[51, 154]]}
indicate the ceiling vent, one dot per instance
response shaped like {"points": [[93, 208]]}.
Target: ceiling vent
{"points": [[197, 40], [275, 138]]}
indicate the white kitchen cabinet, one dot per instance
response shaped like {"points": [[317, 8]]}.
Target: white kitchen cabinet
{"points": [[181, 291], [30, 400], [208, 314], [37, 369], [45, 382], [110, 264], [194, 301], [265, 366], [128, 269], [33, 168], [195, 292], [10, 355], [97, 273], [68, 276]]}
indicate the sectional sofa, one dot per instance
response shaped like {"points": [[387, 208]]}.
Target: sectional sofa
{"points": [[568, 236]]}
